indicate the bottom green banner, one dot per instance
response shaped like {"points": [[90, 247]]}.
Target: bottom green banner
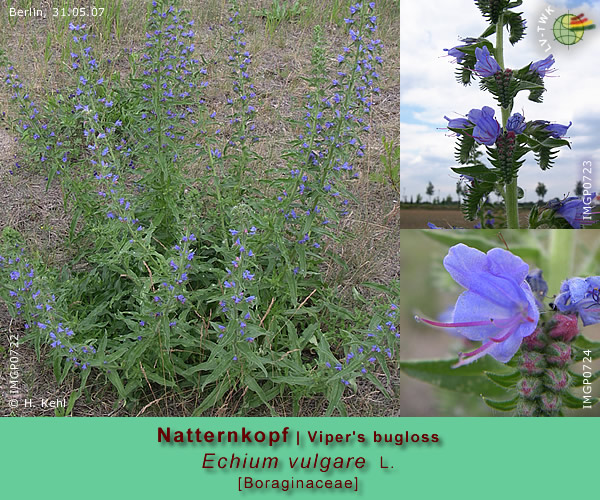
{"points": [[302, 457]]}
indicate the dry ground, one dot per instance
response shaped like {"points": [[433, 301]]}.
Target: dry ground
{"points": [[278, 65]]}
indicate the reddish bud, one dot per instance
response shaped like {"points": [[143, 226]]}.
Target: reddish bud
{"points": [[550, 403], [564, 327], [534, 342], [527, 408], [556, 380], [532, 363], [529, 387], [559, 354]]}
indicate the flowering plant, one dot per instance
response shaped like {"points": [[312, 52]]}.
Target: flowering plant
{"points": [[188, 275], [507, 136]]}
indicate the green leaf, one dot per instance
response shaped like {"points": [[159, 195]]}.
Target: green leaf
{"points": [[480, 172], [509, 405], [334, 396], [466, 144], [507, 381], [257, 389], [578, 380], [212, 399], [113, 376], [576, 403], [469, 378], [585, 348], [585, 344]]}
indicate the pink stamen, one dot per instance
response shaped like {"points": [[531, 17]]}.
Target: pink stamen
{"points": [[495, 322], [483, 347], [464, 359], [502, 339]]}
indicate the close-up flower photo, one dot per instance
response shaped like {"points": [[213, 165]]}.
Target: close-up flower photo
{"points": [[500, 323]]}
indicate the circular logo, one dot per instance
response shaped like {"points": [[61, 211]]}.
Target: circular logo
{"points": [[564, 32]]}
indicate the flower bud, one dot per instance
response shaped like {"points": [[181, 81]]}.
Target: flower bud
{"points": [[527, 408], [534, 342], [529, 387], [503, 83], [495, 9], [564, 327], [505, 144], [557, 380], [532, 363], [550, 403], [558, 354]]}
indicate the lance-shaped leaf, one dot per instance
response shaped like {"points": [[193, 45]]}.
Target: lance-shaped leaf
{"points": [[474, 198], [469, 378], [509, 405]]}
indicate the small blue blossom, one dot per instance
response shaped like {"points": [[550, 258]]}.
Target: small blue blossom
{"points": [[516, 123], [557, 130], [570, 209], [486, 65], [487, 129], [542, 67], [581, 296], [458, 122]]}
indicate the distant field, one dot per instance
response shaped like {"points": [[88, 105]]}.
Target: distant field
{"points": [[418, 218]]}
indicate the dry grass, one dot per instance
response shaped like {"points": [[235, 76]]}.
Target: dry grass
{"points": [[37, 48]]}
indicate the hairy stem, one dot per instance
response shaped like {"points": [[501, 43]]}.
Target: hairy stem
{"points": [[511, 198]]}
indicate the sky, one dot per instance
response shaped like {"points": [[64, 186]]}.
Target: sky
{"points": [[428, 91]]}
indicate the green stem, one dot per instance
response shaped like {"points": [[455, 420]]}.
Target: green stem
{"points": [[511, 197], [562, 253]]}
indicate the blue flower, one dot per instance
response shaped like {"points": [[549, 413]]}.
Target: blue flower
{"points": [[498, 307], [516, 123], [581, 296], [570, 209], [458, 122], [542, 67], [457, 53], [486, 65], [557, 130], [538, 285], [487, 129]]}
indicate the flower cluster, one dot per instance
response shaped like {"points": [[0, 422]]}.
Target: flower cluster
{"points": [[376, 347], [37, 306], [45, 138], [239, 301], [314, 196], [168, 84], [581, 296]]}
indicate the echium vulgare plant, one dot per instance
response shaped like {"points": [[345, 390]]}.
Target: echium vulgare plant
{"points": [[529, 340], [507, 136], [186, 276], [313, 196]]}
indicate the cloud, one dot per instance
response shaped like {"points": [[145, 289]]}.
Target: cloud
{"points": [[429, 91]]}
